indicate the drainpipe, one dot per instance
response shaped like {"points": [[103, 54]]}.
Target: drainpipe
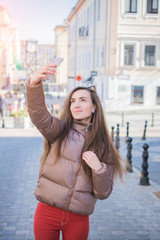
{"points": [[107, 38], [94, 34], [107, 47], [75, 51]]}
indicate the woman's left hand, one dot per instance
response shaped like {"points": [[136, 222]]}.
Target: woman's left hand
{"points": [[91, 159]]}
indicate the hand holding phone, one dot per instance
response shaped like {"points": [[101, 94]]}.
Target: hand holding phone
{"points": [[57, 61], [44, 73]]}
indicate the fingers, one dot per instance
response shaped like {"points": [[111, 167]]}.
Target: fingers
{"points": [[91, 159], [47, 70], [87, 160], [43, 72], [52, 65], [87, 155]]}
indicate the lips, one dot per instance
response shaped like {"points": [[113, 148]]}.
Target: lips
{"points": [[77, 111]]}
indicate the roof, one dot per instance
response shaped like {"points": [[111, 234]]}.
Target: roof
{"points": [[75, 9]]}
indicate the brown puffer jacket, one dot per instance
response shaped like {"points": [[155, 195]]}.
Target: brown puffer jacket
{"points": [[58, 185]]}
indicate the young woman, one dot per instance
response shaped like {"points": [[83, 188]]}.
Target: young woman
{"points": [[79, 162]]}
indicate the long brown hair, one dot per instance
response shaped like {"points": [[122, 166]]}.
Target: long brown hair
{"points": [[96, 139]]}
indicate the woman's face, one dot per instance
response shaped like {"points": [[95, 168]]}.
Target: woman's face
{"points": [[81, 105]]}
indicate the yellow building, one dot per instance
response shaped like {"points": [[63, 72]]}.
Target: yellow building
{"points": [[9, 48], [61, 50]]}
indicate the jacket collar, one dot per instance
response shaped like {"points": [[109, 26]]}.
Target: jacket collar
{"points": [[79, 126]]}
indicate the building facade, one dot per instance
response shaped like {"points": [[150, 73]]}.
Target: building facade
{"points": [[9, 49], [61, 50], [119, 43]]}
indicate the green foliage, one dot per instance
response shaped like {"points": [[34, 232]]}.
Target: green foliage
{"points": [[19, 113]]}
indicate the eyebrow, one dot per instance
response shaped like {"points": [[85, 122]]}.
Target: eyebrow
{"points": [[79, 98]]}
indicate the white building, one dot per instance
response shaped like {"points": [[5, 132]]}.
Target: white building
{"points": [[120, 41]]}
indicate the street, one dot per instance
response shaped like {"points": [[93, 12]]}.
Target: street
{"points": [[131, 212], [19, 163]]}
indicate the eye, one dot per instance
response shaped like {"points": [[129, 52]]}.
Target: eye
{"points": [[83, 100]]}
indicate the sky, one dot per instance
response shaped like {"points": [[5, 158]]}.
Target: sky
{"points": [[37, 19]]}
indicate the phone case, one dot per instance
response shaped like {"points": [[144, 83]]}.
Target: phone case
{"points": [[57, 61]]}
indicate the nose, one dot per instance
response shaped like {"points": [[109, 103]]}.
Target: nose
{"points": [[77, 104]]}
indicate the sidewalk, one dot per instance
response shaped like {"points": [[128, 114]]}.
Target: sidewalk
{"points": [[132, 212], [33, 132], [136, 126], [136, 121]]}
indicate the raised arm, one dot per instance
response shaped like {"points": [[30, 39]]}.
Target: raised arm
{"points": [[49, 126]]}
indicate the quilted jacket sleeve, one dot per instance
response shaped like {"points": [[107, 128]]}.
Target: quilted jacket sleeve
{"points": [[49, 126], [103, 181]]}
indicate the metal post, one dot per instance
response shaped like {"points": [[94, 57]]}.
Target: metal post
{"points": [[152, 119], [144, 180], [3, 126], [129, 154], [122, 119], [117, 137], [127, 133], [112, 133], [144, 133]]}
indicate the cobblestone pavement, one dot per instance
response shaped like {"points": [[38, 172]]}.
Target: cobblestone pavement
{"points": [[19, 163], [131, 212]]}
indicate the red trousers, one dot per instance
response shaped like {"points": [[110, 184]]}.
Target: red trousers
{"points": [[49, 221]]}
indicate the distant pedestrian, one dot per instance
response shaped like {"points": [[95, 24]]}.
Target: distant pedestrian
{"points": [[79, 162], [2, 110]]}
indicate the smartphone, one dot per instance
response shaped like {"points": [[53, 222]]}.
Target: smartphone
{"points": [[57, 60]]}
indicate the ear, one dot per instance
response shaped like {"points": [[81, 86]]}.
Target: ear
{"points": [[93, 108]]}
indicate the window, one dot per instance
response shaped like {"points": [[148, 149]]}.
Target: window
{"points": [[102, 56], [152, 6], [89, 64], [102, 91], [90, 24], [82, 19], [137, 94], [98, 11], [79, 61], [158, 95], [87, 17], [129, 53], [149, 57], [97, 60], [83, 61], [131, 6]]}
